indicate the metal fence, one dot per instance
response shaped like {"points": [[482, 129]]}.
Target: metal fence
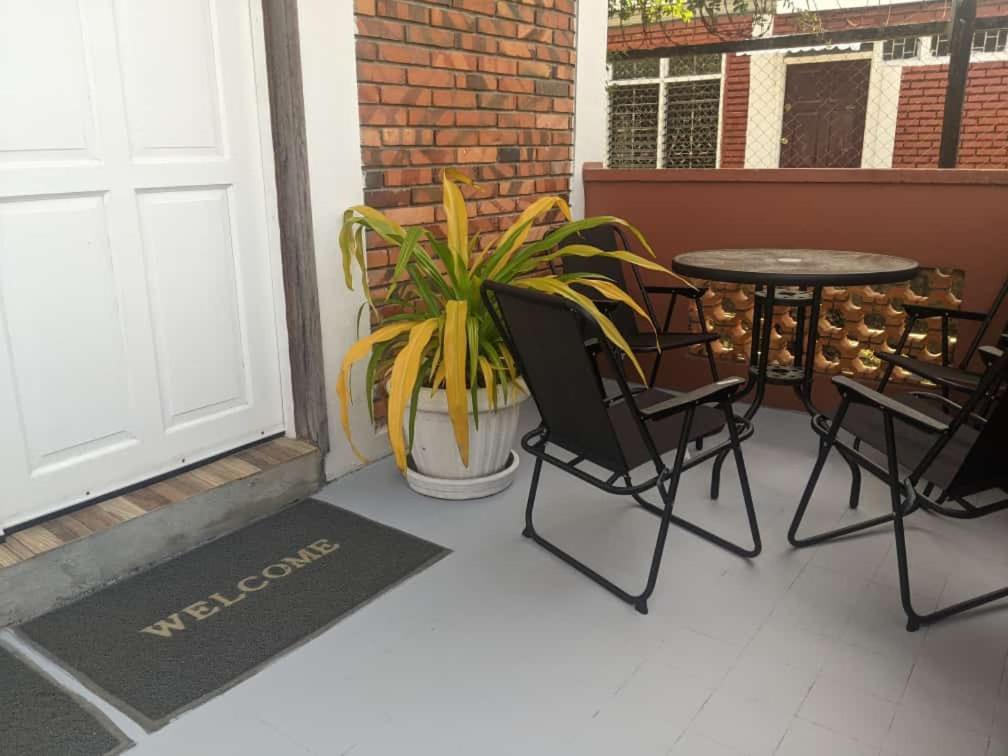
{"points": [[906, 95]]}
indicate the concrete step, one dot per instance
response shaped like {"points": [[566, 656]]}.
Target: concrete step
{"points": [[54, 563]]}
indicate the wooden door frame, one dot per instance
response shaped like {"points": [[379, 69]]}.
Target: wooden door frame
{"points": [[294, 210], [826, 57]]}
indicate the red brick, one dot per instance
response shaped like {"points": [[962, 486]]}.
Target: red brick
{"points": [[408, 176], [392, 95], [376, 27], [380, 73], [475, 118], [428, 35], [406, 55], [452, 20], [425, 77], [477, 154], [403, 10], [457, 60]]}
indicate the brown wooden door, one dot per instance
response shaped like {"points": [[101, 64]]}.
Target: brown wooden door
{"points": [[824, 114]]}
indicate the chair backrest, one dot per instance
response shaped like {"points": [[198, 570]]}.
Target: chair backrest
{"points": [[985, 325], [985, 465], [547, 336], [611, 239]]}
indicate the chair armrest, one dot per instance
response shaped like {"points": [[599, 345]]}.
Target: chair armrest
{"points": [[687, 291], [855, 392], [926, 311], [990, 354], [714, 392]]}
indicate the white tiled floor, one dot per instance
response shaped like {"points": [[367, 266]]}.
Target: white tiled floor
{"points": [[502, 649]]}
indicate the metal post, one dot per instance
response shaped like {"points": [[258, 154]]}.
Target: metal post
{"points": [[960, 46]]}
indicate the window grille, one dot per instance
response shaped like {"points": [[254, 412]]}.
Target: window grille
{"points": [[665, 112], [633, 126], [644, 68], [901, 48], [984, 41], [691, 123]]}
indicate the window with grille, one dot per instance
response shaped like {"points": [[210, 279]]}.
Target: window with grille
{"points": [[633, 126], [665, 112], [901, 48], [984, 41]]}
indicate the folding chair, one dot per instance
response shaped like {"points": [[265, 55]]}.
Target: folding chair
{"points": [[611, 238], [958, 455], [547, 336], [946, 376]]}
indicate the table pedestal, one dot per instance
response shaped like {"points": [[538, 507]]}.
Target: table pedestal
{"points": [[800, 375]]}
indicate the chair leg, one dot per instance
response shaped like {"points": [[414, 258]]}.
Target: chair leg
{"points": [[529, 530], [715, 479], [735, 448], [903, 499], [825, 446], [855, 490], [639, 600]]}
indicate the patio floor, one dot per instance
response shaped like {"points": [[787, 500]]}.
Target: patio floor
{"points": [[502, 649]]}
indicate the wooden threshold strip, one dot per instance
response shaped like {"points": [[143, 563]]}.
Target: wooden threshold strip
{"points": [[22, 545]]}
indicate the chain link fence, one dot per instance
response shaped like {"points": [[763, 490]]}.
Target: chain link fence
{"points": [[786, 98]]}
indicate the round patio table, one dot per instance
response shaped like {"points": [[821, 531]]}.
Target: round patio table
{"points": [[807, 269]]}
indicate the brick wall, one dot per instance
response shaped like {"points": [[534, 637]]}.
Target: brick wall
{"points": [[483, 85], [984, 139]]}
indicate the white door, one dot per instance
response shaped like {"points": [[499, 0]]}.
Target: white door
{"points": [[138, 327]]}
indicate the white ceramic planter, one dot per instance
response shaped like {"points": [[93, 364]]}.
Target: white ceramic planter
{"points": [[435, 455]]}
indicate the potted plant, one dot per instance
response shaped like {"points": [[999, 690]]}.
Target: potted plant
{"points": [[453, 386]]}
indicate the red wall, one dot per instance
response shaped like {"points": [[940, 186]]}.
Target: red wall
{"points": [[939, 218], [984, 138]]}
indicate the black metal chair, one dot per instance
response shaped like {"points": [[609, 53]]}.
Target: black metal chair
{"points": [[612, 238], [946, 376], [620, 434], [958, 455]]}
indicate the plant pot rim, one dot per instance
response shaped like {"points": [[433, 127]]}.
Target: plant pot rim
{"points": [[439, 401]]}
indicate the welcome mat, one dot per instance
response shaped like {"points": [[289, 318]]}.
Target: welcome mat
{"points": [[38, 718], [167, 639]]}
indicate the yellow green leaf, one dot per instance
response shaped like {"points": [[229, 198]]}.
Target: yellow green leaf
{"points": [[488, 379], [357, 352], [609, 290], [383, 224], [404, 376], [454, 174], [457, 220], [538, 208], [455, 345]]}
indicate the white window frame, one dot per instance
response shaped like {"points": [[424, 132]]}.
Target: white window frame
{"points": [[662, 80]]}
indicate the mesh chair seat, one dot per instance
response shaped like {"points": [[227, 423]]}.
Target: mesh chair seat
{"points": [[864, 422], [943, 375], [665, 433]]}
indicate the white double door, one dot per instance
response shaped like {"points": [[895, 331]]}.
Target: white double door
{"points": [[138, 263]]}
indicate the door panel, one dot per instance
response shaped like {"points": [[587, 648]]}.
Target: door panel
{"points": [[824, 114], [169, 57], [74, 393], [137, 314], [191, 270], [45, 38]]}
